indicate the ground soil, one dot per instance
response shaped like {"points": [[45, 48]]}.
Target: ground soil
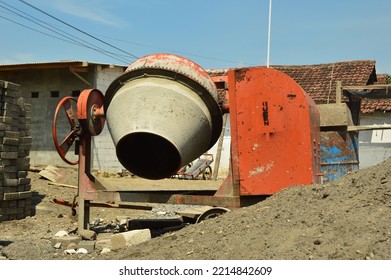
{"points": [[346, 219]]}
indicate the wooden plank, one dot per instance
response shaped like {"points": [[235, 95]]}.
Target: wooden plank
{"points": [[368, 87], [338, 93], [369, 127], [63, 185], [52, 173]]}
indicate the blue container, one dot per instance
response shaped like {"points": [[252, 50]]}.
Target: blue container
{"points": [[338, 154]]}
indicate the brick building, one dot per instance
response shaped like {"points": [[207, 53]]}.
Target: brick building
{"points": [[43, 85]]}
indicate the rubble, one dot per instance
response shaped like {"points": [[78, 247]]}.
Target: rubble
{"points": [[126, 239]]}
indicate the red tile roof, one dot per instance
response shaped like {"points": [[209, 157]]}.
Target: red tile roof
{"points": [[377, 102], [372, 105], [319, 80], [382, 79]]}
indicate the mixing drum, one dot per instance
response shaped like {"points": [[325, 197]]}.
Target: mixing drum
{"points": [[162, 113]]}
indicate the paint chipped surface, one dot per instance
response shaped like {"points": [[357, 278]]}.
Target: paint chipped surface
{"points": [[261, 169]]}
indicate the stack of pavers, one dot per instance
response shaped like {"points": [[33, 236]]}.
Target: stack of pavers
{"points": [[15, 145]]}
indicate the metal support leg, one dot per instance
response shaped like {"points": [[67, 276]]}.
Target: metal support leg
{"points": [[83, 214]]}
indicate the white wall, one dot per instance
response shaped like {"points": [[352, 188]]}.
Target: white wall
{"points": [[103, 149], [374, 145], [225, 157]]}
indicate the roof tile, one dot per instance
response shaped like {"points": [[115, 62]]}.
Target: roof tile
{"points": [[319, 80]]}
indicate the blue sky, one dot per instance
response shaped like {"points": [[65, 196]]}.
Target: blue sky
{"points": [[213, 33]]}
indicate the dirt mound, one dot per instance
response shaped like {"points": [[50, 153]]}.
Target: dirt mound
{"points": [[345, 219]]}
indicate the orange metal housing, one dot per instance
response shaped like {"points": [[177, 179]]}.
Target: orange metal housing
{"points": [[275, 132]]}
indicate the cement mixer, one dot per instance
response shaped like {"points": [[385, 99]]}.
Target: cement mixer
{"points": [[169, 111], [168, 108]]}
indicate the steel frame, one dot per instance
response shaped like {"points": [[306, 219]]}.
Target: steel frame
{"points": [[233, 192]]}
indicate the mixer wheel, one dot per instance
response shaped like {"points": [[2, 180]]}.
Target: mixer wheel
{"points": [[212, 213], [207, 174], [68, 105], [86, 118]]}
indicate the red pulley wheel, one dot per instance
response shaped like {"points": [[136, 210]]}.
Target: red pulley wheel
{"points": [[90, 111], [87, 120], [68, 104]]}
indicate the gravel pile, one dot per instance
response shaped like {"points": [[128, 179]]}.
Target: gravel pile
{"points": [[346, 219]]}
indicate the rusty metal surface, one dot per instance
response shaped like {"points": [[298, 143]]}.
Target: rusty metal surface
{"points": [[211, 200], [67, 105], [339, 153], [144, 185], [177, 64], [89, 103], [274, 132]]}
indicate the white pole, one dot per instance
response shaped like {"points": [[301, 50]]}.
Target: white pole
{"points": [[268, 34]]}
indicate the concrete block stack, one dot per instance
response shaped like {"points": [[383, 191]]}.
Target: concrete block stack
{"points": [[15, 145]]}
